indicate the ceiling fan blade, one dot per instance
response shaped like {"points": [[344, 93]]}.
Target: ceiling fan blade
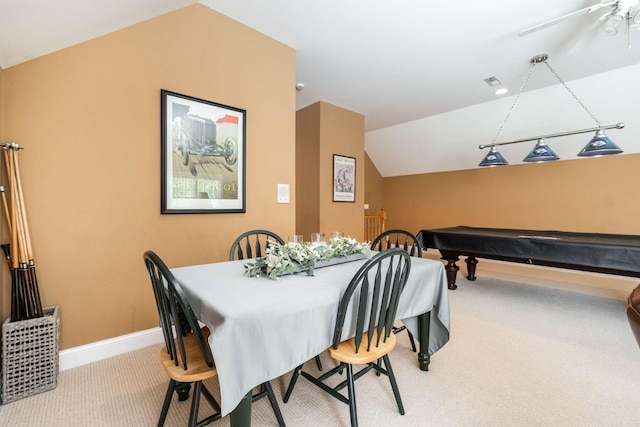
{"points": [[585, 11]]}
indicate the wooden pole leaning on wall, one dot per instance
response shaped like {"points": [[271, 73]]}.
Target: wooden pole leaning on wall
{"points": [[32, 280], [16, 308], [25, 296]]}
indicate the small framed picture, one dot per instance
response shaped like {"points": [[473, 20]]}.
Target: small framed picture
{"points": [[344, 178], [202, 156]]}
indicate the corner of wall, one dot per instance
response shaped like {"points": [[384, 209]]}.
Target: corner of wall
{"points": [[308, 169], [373, 188]]}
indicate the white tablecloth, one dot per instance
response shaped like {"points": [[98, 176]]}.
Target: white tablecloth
{"points": [[263, 328]]}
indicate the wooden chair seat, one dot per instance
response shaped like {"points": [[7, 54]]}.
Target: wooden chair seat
{"points": [[197, 368], [346, 351]]}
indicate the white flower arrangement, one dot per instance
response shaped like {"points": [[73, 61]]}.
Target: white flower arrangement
{"points": [[296, 257]]}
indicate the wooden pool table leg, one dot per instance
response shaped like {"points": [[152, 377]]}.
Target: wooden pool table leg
{"points": [[424, 322], [471, 267], [241, 415], [452, 271]]}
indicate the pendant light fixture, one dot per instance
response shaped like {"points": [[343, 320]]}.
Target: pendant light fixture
{"points": [[599, 145], [541, 153]]}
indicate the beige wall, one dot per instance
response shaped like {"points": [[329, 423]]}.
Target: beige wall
{"points": [[323, 130], [590, 195], [89, 119], [373, 188], [341, 132], [308, 170]]}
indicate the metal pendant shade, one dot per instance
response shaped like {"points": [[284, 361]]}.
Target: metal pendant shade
{"points": [[541, 153], [493, 158], [600, 145]]}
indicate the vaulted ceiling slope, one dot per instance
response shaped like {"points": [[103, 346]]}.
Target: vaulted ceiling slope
{"points": [[32, 28], [393, 62]]}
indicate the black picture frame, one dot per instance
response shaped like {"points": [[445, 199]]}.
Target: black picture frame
{"points": [[344, 178], [203, 160]]}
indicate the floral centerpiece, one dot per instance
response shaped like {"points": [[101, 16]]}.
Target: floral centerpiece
{"points": [[297, 257]]}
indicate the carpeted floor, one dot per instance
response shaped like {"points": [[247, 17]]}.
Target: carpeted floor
{"points": [[519, 355]]}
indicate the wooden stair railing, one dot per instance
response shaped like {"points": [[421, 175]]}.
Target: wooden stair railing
{"points": [[374, 225]]}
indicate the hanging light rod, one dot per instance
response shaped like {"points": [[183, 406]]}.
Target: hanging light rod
{"points": [[599, 145], [555, 135]]}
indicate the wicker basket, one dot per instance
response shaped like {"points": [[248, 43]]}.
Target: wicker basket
{"points": [[30, 356]]}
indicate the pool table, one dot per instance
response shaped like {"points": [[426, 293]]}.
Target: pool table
{"points": [[617, 254]]}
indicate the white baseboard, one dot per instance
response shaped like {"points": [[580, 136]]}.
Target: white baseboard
{"points": [[81, 355]]}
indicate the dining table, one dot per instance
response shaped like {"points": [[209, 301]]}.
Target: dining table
{"points": [[262, 328]]}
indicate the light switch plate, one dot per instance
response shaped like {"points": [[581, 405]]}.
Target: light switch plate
{"points": [[283, 193]]}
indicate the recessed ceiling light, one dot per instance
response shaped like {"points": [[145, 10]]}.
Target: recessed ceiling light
{"points": [[501, 91]]}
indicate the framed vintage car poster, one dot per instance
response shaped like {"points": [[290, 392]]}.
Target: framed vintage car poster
{"points": [[202, 156], [344, 178]]}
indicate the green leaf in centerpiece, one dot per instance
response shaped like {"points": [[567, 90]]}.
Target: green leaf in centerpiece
{"points": [[298, 257]]}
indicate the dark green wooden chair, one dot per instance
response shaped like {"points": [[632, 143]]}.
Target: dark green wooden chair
{"points": [[373, 294], [186, 355]]}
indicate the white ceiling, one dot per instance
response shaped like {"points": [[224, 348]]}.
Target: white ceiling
{"points": [[399, 61], [393, 62], [32, 28]]}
